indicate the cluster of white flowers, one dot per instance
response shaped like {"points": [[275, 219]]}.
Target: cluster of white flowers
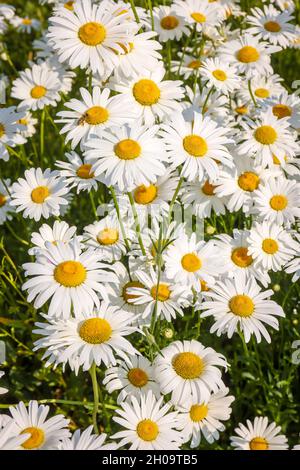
{"points": [[212, 131]]}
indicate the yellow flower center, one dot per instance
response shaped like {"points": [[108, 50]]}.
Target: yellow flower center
{"points": [[169, 22], [84, 171], [188, 365], [36, 439], [262, 93], [95, 116], [23, 121], [203, 285], [198, 412], [194, 64], [108, 236], [208, 189], [163, 292], [38, 92], [241, 305], [95, 331], [241, 110], [258, 443], [248, 181], [195, 145], [191, 262], [219, 75], [240, 257], [146, 92], [126, 296], [2, 130], [70, 273], [281, 111], [92, 34], [27, 21], [272, 26], [270, 246], [39, 194], [145, 194], [2, 200], [127, 149], [69, 5], [247, 54], [278, 202], [147, 430], [137, 377], [265, 135], [198, 17]]}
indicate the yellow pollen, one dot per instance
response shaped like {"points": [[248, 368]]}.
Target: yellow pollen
{"points": [[146, 92], [272, 26], [92, 34], [278, 202], [208, 189], [169, 22], [281, 111], [240, 257], [241, 110], [270, 246], [241, 305], [219, 75], [38, 92], [204, 287], [2, 130], [195, 145], [265, 135], [27, 21], [84, 171], [191, 262], [70, 273], [126, 296], [198, 412], [198, 17], [108, 236], [262, 93], [69, 5], [127, 149], [2, 200], [194, 64], [95, 331], [39, 194], [23, 121], [163, 292], [95, 116], [188, 365], [147, 430], [36, 439], [258, 443], [137, 377], [247, 54], [248, 181], [145, 194]]}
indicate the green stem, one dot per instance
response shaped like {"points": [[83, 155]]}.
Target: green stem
{"points": [[251, 93], [158, 264], [151, 14], [174, 198], [137, 223], [113, 193], [93, 375], [90, 82], [42, 134], [206, 100], [134, 11], [93, 205]]}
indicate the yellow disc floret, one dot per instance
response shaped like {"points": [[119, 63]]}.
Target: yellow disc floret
{"points": [[137, 377], [188, 365], [38, 92], [241, 258], [108, 236], [145, 194], [198, 412], [265, 135], [162, 293], [270, 246], [36, 439], [247, 54], [127, 149], [92, 33], [169, 22], [146, 92], [147, 430], [191, 262], [95, 330], [248, 181], [195, 145], [241, 305], [70, 273], [39, 194]]}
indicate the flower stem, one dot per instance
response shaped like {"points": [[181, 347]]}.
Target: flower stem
{"points": [[42, 135], [113, 193], [174, 199], [137, 223], [251, 93], [93, 375], [137, 19], [151, 14]]}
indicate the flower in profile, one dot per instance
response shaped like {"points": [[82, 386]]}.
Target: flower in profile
{"points": [[259, 435], [86, 440], [10, 128]]}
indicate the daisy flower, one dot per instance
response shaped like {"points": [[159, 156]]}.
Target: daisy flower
{"points": [[189, 371], [2, 389], [262, 88], [43, 433], [7, 11], [91, 115], [278, 200], [60, 232], [37, 87], [259, 435], [148, 423], [86, 440], [241, 305], [25, 25], [10, 128], [294, 267], [90, 36], [70, 276], [204, 198], [127, 156], [187, 261], [267, 136], [197, 145], [212, 105], [133, 378], [77, 173], [5, 207], [147, 95], [89, 338], [39, 194], [198, 13], [271, 246], [9, 439], [168, 24], [286, 106], [30, 123], [187, 65], [197, 419], [249, 55], [284, 5], [220, 75], [272, 25]]}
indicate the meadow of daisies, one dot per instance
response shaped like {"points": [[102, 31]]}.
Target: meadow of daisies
{"points": [[149, 211]]}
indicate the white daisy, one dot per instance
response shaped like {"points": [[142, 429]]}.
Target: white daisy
{"points": [[60, 231], [204, 198], [240, 305], [259, 435], [294, 268], [10, 439], [86, 440], [25, 25], [199, 13], [30, 123], [77, 173], [168, 24], [262, 88], [2, 389], [286, 106], [187, 65], [39, 194], [10, 128], [212, 105], [5, 207], [220, 75]]}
